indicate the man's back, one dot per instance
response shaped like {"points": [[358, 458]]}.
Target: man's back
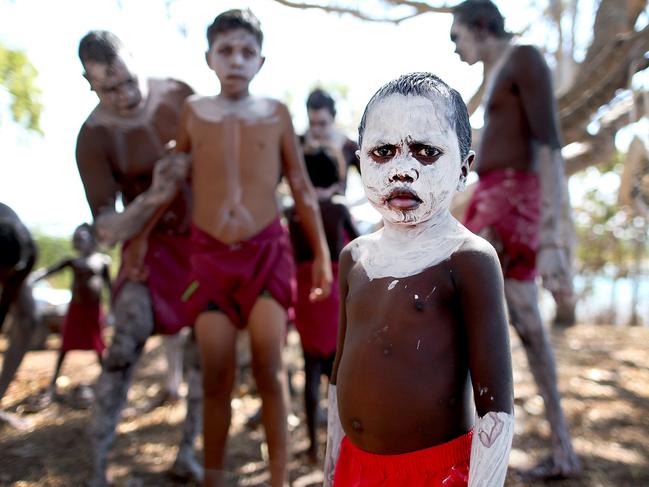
{"points": [[519, 109], [238, 151]]}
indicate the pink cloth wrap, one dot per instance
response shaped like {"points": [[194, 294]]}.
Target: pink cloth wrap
{"points": [[82, 328], [232, 277], [317, 323], [509, 202], [167, 262]]}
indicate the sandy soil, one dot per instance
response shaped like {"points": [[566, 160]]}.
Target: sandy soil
{"points": [[604, 377]]}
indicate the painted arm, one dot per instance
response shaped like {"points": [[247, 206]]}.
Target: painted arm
{"points": [[335, 432], [306, 206], [482, 297], [101, 189], [535, 87]]}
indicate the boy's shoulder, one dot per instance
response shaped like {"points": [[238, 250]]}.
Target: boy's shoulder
{"points": [[475, 255], [254, 108]]}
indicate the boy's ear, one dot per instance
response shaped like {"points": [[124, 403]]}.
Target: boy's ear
{"points": [[358, 154], [464, 170], [207, 58], [261, 62], [468, 160]]}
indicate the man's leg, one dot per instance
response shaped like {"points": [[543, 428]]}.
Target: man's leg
{"points": [[216, 337], [23, 326], [522, 301], [173, 346], [133, 325], [267, 326], [185, 465]]}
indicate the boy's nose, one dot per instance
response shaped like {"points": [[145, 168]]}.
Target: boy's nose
{"points": [[403, 175]]}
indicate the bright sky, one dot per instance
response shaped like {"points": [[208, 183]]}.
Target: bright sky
{"points": [[38, 175]]}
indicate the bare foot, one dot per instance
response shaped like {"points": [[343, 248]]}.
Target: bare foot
{"points": [[548, 470], [39, 401]]}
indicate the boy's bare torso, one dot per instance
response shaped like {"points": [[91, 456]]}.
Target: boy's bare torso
{"points": [[403, 380], [88, 278], [236, 164]]}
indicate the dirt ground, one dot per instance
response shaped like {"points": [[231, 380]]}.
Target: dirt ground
{"points": [[604, 378]]}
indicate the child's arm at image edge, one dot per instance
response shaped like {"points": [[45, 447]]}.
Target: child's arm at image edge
{"points": [[483, 305]]}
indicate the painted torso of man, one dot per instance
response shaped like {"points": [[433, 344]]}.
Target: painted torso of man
{"points": [[519, 110], [117, 154]]}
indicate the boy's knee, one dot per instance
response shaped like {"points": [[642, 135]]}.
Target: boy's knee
{"points": [[268, 378], [217, 384]]}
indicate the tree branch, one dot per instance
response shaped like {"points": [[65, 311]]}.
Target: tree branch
{"points": [[419, 7]]}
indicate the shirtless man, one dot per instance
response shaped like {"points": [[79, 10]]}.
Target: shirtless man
{"points": [[322, 140], [422, 321], [122, 148], [17, 258], [242, 264], [517, 204]]}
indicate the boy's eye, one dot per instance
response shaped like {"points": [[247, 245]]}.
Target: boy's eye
{"points": [[426, 154], [383, 152]]}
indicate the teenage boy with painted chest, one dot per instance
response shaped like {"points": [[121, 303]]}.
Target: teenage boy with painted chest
{"points": [[422, 321], [242, 260]]}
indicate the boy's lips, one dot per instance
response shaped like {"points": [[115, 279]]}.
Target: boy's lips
{"points": [[403, 199]]}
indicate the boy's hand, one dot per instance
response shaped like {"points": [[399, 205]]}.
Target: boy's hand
{"points": [[321, 279]]}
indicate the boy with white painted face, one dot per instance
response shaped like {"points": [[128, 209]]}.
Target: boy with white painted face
{"points": [[422, 321]]}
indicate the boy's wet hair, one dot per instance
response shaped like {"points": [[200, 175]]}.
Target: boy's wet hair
{"points": [[10, 246], [481, 15], [99, 46], [430, 86], [319, 99], [235, 19], [322, 169]]}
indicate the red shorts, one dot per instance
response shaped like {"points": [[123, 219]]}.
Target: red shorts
{"points": [[82, 328], [509, 202], [230, 278], [444, 465], [167, 262], [317, 323]]}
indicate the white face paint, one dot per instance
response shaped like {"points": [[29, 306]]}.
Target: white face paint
{"points": [[410, 166], [410, 159]]}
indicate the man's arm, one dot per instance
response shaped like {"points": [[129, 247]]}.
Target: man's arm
{"points": [[533, 79], [101, 188], [482, 299], [306, 205], [335, 431]]}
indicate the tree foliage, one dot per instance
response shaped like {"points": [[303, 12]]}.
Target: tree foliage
{"points": [[18, 78]]}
